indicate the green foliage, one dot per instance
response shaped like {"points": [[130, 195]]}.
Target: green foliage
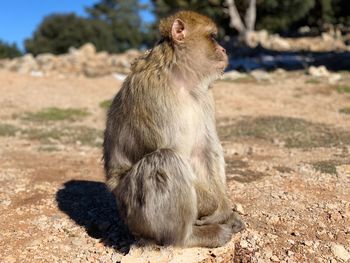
{"points": [[123, 19], [293, 132], [105, 104], [327, 167], [345, 110], [65, 135], [8, 50], [343, 89], [56, 114], [213, 9], [7, 129], [273, 15], [58, 32]]}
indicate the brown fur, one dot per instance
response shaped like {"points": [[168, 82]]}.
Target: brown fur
{"points": [[163, 159]]}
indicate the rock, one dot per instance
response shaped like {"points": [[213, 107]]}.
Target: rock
{"points": [[25, 64], [120, 77], [254, 38], [243, 243], [87, 50], [239, 208], [260, 75], [308, 243], [274, 258], [278, 43], [304, 29], [320, 71], [340, 252], [233, 75], [36, 73], [327, 37], [334, 79]]}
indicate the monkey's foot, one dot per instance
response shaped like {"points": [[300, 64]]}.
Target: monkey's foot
{"points": [[236, 223]]}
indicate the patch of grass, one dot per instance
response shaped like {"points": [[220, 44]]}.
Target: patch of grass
{"points": [[343, 89], [243, 79], [49, 148], [8, 130], [283, 169], [105, 104], [56, 114], [328, 167], [246, 176], [233, 164], [312, 81], [345, 110], [66, 135], [295, 133]]}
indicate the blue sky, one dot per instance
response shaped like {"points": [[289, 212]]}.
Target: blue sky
{"points": [[18, 19]]}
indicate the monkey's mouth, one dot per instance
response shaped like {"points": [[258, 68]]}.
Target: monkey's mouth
{"points": [[222, 65]]}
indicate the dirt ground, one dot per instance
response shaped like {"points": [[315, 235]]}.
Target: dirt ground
{"points": [[286, 143]]}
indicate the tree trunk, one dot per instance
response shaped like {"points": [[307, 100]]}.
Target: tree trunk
{"points": [[236, 22], [250, 16], [235, 19]]}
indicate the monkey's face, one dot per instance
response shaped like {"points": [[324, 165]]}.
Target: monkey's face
{"points": [[194, 38], [215, 53]]}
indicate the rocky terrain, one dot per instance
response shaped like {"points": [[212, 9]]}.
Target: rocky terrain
{"points": [[84, 61], [286, 138]]}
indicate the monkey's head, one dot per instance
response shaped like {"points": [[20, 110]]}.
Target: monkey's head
{"points": [[193, 37]]}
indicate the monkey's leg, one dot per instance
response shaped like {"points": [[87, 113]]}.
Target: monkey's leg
{"points": [[214, 169], [217, 215], [157, 200]]}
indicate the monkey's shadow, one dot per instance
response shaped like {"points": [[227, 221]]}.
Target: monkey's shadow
{"points": [[92, 206]]}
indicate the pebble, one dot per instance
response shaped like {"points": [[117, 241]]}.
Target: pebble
{"points": [[243, 244], [308, 243], [274, 258], [340, 252], [239, 208]]}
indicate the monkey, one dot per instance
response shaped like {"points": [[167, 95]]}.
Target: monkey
{"points": [[162, 156]]}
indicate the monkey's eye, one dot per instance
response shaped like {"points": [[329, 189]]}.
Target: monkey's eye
{"points": [[213, 37]]}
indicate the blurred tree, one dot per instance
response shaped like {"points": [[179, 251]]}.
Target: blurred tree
{"points": [[236, 20], [275, 15], [211, 8], [9, 50], [123, 18], [341, 10], [58, 32]]}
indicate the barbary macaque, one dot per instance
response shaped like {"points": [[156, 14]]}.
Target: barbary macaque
{"points": [[162, 156]]}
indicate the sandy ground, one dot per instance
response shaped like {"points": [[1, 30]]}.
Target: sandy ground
{"points": [[286, 143]]}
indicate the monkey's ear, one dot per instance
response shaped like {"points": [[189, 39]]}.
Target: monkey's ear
{"points": [[178, 31]]}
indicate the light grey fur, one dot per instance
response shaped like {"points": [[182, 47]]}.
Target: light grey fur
{"points": [[163, 158]]}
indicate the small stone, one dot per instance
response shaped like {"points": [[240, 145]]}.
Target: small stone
{"points": [[290, 253], [274, 258], [260, 75], [239, 208], [243, 244], [340, 252], [290, 241], [116, 257], [308, 243]]}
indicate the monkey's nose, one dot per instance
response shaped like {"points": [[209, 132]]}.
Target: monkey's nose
{"points": [[223, 50]]}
